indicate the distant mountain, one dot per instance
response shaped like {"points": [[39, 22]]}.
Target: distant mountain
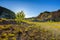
{"points": [[49, 16]]}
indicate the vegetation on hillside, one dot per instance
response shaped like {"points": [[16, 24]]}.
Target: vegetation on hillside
{"points": [[30, 31], [6, 13], [49, 16], [21, 28]]}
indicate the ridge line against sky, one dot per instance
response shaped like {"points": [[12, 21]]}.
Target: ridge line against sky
{"points": [[31, 8]]}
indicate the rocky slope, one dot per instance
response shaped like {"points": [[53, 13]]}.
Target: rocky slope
{"points": [[47, 16]]}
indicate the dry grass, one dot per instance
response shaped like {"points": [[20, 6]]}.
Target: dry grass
{"points": [[31, 31]]}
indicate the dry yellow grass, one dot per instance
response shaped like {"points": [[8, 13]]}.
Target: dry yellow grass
{"points": [[34, 31]]}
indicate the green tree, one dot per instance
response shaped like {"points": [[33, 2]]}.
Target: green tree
{"points": [[20, 16]]}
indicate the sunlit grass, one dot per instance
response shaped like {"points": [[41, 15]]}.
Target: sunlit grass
{"points": [[31, 31]]}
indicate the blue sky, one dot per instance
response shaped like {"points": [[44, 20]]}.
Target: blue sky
{"points": [[31, 8]]}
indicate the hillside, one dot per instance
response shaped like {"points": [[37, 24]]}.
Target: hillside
{"points": [[49, 16], [6, 13], [30, 31], [34, 28]]}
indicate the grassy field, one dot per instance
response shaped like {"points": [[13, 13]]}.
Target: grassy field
{"points": [[30, 31]]}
